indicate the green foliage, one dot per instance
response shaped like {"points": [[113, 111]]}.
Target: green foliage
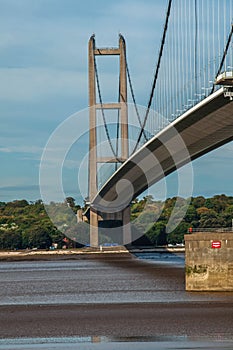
{"points": [[70, 201], [10, 239], [24, 225], [198, 202], [201, 213], [177, 235], [157, 234], [39, 238], [27, 225]]}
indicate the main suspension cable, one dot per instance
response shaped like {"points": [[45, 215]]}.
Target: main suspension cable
{"points": [[156, 73], [132, 90], [224, 56]]}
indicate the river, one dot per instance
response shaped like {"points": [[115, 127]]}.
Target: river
{"points": [[109, 303]]}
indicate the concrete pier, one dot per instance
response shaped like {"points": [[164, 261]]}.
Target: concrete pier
{"points": [[209, 261]]}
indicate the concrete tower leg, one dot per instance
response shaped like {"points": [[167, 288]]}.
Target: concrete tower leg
{"points": [[92, 144], [94, 239], [127, 236], [94, 159]]}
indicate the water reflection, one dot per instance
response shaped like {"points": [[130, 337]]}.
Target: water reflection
{"points": [[116, 343], [175, 259]]}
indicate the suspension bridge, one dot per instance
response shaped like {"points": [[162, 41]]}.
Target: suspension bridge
{"points": [[189, 111]]}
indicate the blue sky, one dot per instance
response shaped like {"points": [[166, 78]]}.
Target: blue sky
{"points": [[44, 79]]}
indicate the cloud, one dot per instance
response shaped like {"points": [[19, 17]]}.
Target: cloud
{"points": [[35, 84], [20, 188], [5, 150], [44, 45], [21, 149]]}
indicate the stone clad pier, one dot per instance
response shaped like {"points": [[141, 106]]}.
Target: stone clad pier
{"points": [[209, 261]]}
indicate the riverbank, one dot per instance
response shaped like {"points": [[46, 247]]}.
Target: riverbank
{"points": [[80, 253], [62, 254]]}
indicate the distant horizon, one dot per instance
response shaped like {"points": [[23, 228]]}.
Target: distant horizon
{"points": [[155, 199]]}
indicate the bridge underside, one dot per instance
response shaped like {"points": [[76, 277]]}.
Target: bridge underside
{"points": [[205, 127]]}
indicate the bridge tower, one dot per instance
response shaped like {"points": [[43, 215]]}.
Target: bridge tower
{"points": [[94, 159]]}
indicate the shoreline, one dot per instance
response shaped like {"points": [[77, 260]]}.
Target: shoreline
{"points": [[60, 254], [80, 253]]}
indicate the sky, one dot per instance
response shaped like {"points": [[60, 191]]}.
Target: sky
{"points": [[44, 80]]}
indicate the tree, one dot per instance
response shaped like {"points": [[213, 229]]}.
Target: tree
{"points": [[18, 203], [198, 202], [39, 238], [71, 203], [177, 235], [191, 214], [210, 219], [10, 239], [157, 234]]}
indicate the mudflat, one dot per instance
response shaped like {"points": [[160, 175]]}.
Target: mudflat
{"points": [[115, 296], [115, 320]]}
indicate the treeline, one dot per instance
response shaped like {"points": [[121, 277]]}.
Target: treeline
{"points": [[201, 212], [27, 225]]}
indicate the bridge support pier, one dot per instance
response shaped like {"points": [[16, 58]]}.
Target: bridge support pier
{"points": [[127, 237], [209, 261], [94, 222], [114, 228]]}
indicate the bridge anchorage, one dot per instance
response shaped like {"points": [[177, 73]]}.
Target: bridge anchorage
{"points": [[118, 219]]}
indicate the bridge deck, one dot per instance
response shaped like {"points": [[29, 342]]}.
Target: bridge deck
{"points": [[203, 128]]}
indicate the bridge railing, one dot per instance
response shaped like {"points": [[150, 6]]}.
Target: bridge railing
{"points": [[210, 229]]}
